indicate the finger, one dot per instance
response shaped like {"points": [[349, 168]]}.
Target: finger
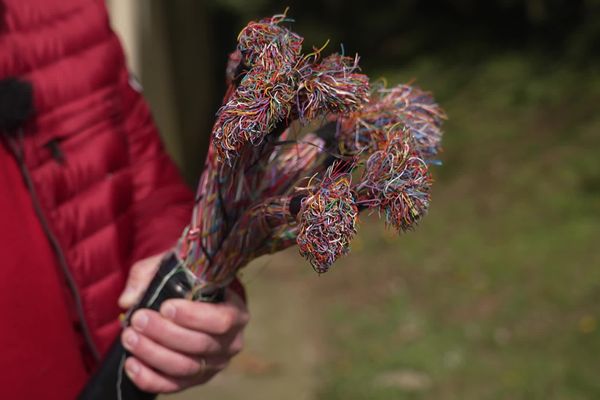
{"points": [[159, 357], [212, 368], [139, 278], [153, 381], [235, 346], [217, 319], [231, 296], [216, 364], [149, 380], [165, 332]]}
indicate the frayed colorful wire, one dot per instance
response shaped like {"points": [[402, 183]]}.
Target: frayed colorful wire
{"points": [[397, 182], [267, 184], [332, 87], [408, 106], [327, 220], [267, 40]]}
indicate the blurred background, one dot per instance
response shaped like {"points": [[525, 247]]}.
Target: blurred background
{"points": [[496, 295]]}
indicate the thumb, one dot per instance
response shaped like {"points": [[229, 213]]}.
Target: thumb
{"points": [[140, 275]]}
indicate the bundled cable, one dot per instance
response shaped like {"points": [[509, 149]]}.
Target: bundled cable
{"points": [[301, 145]]}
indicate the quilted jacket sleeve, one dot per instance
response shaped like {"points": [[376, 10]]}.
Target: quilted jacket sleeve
{"points": [[162, 202]]}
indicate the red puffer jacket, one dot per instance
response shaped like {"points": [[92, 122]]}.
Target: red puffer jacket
{"points": [[86, 189]]}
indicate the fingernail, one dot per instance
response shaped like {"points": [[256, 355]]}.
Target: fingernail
{"points": [[132, 368], [168, 311], [131, 339], [139, 321]]}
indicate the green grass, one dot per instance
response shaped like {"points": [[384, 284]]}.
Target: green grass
{"points": [[496, 295]]}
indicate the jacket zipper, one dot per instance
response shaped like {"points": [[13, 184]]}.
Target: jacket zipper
{"points": [[18, 151]]}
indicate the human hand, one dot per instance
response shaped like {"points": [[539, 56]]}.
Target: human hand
{"points": [[183, 345]]}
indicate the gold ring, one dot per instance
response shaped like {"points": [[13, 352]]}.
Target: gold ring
{"points": [[203, 368]]}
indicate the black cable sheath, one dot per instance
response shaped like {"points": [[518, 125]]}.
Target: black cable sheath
{"points": [[110, 380]]}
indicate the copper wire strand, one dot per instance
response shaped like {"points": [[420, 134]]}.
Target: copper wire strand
{"points": [[264, 188]]}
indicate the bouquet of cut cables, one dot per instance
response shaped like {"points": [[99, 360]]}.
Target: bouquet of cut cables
{"points": [[301, 145]]}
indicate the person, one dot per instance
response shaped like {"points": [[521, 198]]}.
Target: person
{"points": [[89, 201]]}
